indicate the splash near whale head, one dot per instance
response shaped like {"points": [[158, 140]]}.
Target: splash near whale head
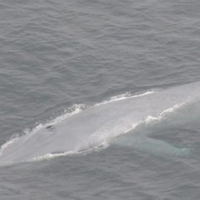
{"points": [[98, 125]]}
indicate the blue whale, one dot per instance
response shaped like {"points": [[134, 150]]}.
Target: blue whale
{"points": [[99, 124]]}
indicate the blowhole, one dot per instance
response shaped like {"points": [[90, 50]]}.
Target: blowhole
{"points": [[49, 127]]}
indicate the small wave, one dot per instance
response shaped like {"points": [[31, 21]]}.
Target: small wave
{"points": [[164, 114], [84, 150], [50, 156], [9, 142], [124, 96]]}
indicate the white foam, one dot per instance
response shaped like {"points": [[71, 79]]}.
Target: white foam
{"points": [[91, 147], [71, 111], [50, 156], [124, 96], [9, 142], [164, 114]]}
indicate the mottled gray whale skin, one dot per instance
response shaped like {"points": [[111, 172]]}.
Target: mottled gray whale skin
{"points": [[106, 120]]}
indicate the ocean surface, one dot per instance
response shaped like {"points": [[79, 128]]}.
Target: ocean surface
{"points": [[59, 58]]}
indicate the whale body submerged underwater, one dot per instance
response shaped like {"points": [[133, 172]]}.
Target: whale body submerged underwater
{"points": [[99, 123]]}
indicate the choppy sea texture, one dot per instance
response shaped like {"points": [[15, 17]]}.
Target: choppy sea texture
{"points": [[56, 54]]}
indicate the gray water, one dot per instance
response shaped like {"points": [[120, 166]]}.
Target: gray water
{"points": [[55, 54]]}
